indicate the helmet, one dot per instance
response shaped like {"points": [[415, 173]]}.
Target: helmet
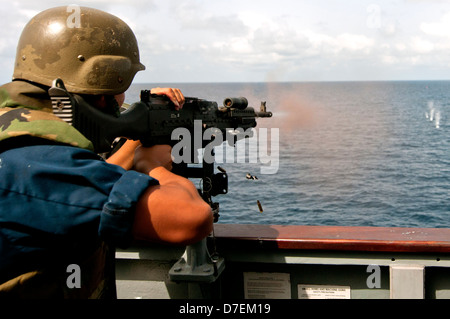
{"points": [[92, 51]]}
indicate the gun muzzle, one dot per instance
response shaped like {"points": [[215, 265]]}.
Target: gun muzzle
{"points": [[236, 102], [263, 111]]}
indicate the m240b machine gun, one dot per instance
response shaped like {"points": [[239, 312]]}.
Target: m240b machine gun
{"points": [[201, 124], [153, 120]]}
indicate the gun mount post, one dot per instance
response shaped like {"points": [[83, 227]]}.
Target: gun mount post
{"points": [[197, 264]]}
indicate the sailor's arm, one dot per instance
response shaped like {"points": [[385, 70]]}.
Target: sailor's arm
{"points": [[124, 155], [173, 211]]}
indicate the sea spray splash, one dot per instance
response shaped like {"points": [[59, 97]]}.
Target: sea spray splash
{"points": [[433, 114]]}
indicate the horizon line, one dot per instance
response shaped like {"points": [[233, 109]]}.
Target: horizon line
{"points": [[292, 81]]}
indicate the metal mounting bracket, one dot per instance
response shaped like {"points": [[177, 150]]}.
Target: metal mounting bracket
{"points": [[196, 265]]}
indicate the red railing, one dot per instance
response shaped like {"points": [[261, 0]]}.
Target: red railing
{"points": [[383, 239]]}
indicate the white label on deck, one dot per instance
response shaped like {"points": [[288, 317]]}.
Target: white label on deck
{"points": [[323, 292], [267, 285]]}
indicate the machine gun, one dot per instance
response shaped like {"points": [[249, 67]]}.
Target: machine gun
{"points": [[153, 120], [197, 117]]}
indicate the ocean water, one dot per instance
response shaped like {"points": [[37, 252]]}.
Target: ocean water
{"points": [[350, 153]]}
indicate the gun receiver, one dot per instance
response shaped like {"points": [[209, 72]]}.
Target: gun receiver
{"points": [[164, 119]]}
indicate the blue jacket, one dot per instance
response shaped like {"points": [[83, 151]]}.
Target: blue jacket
{"points": [[58, 201]]}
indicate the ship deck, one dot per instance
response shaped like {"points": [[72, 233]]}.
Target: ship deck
{"points": [[300, 262]]}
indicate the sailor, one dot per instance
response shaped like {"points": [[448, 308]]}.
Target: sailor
{"points": [[63, 207]]}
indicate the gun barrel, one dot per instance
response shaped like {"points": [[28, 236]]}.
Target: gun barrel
{"points": [[263, 114]]}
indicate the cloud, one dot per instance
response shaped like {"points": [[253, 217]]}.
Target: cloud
{"points": [[192, 16], [252, 41], [421, 46], [440, 28], [267, 45]]}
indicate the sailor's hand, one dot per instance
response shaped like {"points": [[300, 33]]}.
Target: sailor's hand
{"points": [[124, 155], [174, 95], [148, 158]]}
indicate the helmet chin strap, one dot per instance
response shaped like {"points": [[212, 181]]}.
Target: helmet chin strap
{"points": [[99, 127]]}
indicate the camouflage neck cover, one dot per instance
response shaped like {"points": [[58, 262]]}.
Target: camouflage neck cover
{"points": [[25, 109]]}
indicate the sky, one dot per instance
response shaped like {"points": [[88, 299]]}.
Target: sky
{"points": [[268, 40]]}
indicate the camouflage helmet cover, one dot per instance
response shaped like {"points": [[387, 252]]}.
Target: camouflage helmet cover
{"points": [[92, 51]]}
